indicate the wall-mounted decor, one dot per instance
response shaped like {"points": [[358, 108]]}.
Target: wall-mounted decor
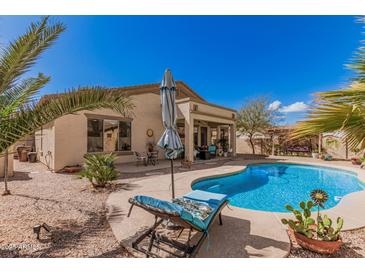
{"points": [[149, 132]]}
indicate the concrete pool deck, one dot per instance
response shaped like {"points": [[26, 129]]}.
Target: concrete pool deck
{"points": [[245, 233]]}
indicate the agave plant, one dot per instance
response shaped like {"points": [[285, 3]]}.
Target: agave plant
{"points": [[340, 110], [20, 111], [99, 169]]}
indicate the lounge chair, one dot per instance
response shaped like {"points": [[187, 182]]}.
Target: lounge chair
{"points": [[183, 219]]}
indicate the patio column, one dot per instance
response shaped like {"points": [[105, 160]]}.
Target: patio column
{"points": [[273, 145], [189, 139], [320, 143], [218, 133], [232, 135]]}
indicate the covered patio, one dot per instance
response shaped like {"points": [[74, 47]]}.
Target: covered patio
{"points": [[201, 124]]}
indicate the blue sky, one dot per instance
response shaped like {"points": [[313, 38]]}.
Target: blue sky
{"points": [[226, 59]]}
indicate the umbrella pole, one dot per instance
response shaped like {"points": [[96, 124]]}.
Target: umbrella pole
{"points": [[172, 179]]}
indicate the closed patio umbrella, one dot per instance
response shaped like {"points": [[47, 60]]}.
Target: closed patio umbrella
{"points": [[170, 140]]}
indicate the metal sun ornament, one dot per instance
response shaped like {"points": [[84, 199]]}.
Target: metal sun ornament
{"points": [[319, 197]]}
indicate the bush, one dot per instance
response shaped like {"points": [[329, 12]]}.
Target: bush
{"points": [[99, 169]]}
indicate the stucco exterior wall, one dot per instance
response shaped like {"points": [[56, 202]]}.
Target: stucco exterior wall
{"points": [[10, 164], [26, 141], [243, 146], [44, 140], [336, 147], [67, 139]]}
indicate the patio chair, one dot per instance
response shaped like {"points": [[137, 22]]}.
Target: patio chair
{"points": [[212, 149], [152, 157], [180, 217], [140, 158]]}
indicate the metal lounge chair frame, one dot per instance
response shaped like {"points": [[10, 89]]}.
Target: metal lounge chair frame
{"points": [[188, 249]]}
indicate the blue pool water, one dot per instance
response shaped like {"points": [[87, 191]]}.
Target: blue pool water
{"points": [[269, 187]]}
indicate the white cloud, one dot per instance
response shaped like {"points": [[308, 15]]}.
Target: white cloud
{"points": [[275, 105], [295, 107]]}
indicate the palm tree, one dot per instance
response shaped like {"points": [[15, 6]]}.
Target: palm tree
{"points": [[20, 111], [254, 117], [340, 110]]}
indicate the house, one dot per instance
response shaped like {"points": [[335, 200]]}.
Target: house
{"points": [[66, 140]]}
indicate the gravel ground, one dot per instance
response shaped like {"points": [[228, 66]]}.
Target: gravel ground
{"points": [[353, 247], [75, 213]]}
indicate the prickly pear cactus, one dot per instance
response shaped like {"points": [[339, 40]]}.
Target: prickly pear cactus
{"points": [[303, 223], [326, 232]]}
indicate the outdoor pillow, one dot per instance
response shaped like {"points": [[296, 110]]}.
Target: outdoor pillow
{"points": [[212, 199], [199, 210]]}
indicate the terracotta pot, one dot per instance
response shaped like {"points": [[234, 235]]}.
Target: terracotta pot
{"points": [[322, 247], [355, 161]]}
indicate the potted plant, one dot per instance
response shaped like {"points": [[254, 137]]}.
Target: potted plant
{"points": [[356, 160], [327, 157], [224, 145], [150, 146], [315, 154], [315, 235], [362, 160]]}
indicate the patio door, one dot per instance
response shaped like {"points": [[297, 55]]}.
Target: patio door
{"points": [[203, 136]]}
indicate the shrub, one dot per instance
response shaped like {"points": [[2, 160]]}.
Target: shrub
{"points": [[99, 169]]}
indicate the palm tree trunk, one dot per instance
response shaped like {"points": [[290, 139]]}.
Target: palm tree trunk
{"points": [[6, 158], [252, 145]]}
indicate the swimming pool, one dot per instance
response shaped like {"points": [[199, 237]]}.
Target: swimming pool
{"points": [[269, 187]]}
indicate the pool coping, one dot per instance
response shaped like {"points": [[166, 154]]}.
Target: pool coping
{"points": [[343, 206]]}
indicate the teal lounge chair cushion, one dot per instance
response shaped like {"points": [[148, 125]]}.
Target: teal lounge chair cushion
{"points": [[212, 199], [160, 205]]}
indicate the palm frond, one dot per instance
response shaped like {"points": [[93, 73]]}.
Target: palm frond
{"points": [[30, 119], [20, 55], [336, 113], [20, 95]]}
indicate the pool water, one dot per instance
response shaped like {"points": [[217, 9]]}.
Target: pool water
{"points": [[269, 187]]}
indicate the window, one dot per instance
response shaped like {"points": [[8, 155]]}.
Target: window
{"points": [[214, 137], [124, 136], [94, 135], [203, 136], [108, 135], [196, 136]]}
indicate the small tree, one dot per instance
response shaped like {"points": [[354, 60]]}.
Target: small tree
{"points": [[255, 117]]}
